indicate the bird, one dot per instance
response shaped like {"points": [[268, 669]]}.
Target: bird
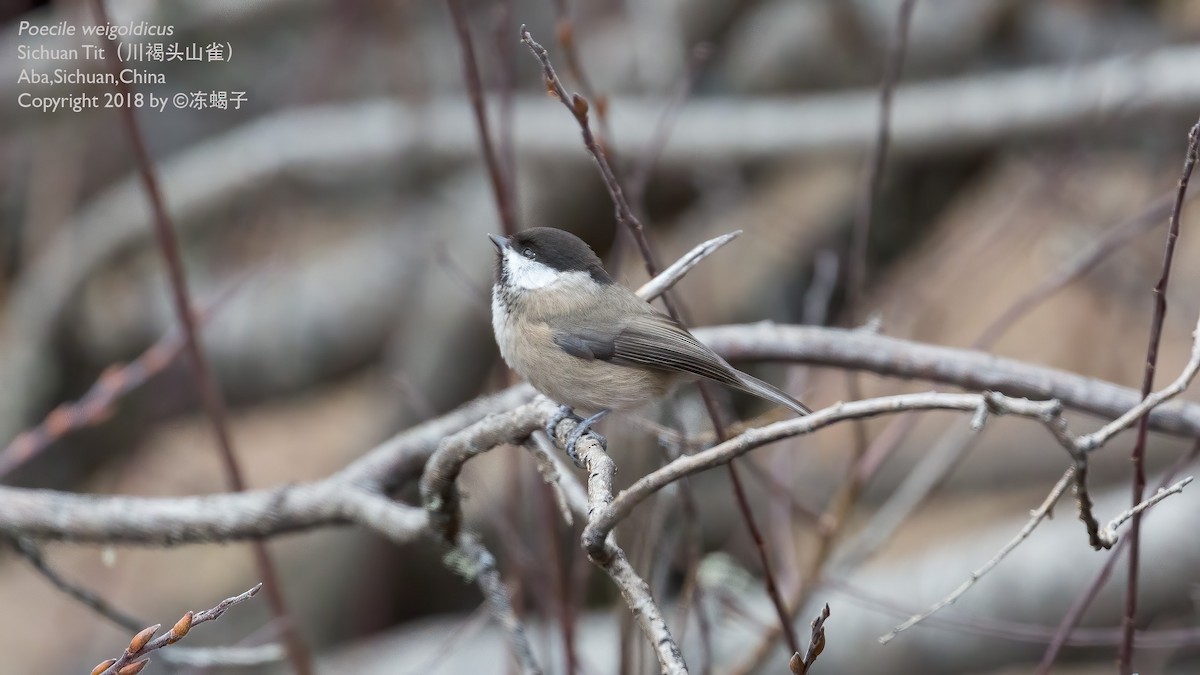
{"points": [[590, 344]]}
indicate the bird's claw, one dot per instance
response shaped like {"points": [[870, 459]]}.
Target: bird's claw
{"points": [[582, 427], [573, 439], [563, 413]]}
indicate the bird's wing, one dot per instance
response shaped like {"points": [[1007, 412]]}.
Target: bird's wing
{"points": [[647, 341], [654, 340]]}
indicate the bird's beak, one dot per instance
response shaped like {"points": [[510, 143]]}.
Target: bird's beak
{"points": [[500, 242]]}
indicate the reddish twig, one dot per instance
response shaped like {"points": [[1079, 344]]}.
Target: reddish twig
{"points": [[624, 214], [781, 608], [847, 493], [1066, 628], [579, 107], [860, 235], [1125, 654], [508, 219], [564, 33], [96, 406], [132, 661], [873, 178], [210, 393], [692, 594], [507, 84]]}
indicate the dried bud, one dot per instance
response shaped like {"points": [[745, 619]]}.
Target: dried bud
{"points": [[180, 629], [796, 664], [550, 90], [819, 646], [139, 641], [564, 33], [102, 666], [580, 105], [134, 668]]}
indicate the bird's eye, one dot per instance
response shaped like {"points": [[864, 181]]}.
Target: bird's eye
{"points": [[528, 253]]}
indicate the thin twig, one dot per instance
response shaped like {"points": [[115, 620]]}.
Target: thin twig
{"points": [[97, 404], [351, 495], [500, 191], [1014, 631], [28, 550], [1037, 516], [210, 393], [846, 496], [564, 33], [955, 444], [507, 84], [143, 643], [1125, 653], [873, 176], [666, 280], [800, 665], [1151, 401], [208, 657], [603, 522], [1066, 628], [625, 216], [610, 558], [1110, 531]]}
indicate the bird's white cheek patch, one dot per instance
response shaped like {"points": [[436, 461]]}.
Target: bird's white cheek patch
{"points": [[528, 274]]}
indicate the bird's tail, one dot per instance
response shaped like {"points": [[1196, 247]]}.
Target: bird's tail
{"points": [[753, 385]]}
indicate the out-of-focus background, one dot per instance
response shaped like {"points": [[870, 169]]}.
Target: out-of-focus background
{"points": [[334, 227]]}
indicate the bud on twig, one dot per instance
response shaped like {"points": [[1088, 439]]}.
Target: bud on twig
{"points": [[139, 641], [579, 104], [134, 668], [180, 629], [103, 666]]}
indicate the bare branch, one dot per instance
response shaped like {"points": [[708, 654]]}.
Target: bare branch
{"points": [[1125, 653], [1109, 533], [627, 218], [800, 665], [1066, 627], [143, 643], [609, 557], [1036, 517], [206, 382], [667, 279], [1101, 436], [178, 520], [500, 191], [603, 521], [965, 368], [210, 657]]}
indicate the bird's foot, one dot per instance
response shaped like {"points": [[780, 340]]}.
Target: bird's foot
{"points": [[584, 427], [564, 411]]}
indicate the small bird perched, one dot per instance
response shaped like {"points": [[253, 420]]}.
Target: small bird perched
{"points": [[589, 343]]}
